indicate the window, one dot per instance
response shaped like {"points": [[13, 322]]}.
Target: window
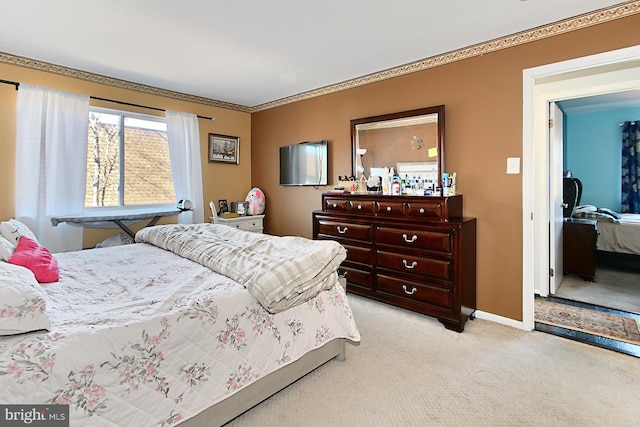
{"points": [[128, 161]]}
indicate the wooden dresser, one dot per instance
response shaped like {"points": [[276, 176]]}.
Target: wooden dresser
{"points": [[414, 252]]}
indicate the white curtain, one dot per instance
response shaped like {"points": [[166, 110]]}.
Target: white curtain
{"points": [[183, 133], [51, 163]]}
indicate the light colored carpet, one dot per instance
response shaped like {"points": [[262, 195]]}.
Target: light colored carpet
{"points": [[410, 371], [611, 288]]}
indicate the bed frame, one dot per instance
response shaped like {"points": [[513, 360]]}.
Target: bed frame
{"points": [[238, 403]]}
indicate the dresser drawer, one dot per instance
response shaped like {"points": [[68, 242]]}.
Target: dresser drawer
{"points": [[345, 230], [439, 241], [387, 208], [433, 209], [436, 268], [336, 204], [255, 226], [359, 278], [363, 206], [247, 223], [359, 254], [418, 292]]}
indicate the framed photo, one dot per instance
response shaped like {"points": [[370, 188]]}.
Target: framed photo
{"points": [[224, 148], [224, 206], [240, 208]]}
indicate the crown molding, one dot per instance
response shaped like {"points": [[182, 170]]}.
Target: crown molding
{"points": [[582, 21], [110, 81]]}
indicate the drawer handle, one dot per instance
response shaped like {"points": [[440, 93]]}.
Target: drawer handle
{"points": [[406, 238], [413, 291], [388, 208], [359, 206], [335, 205], [421, 210], [343, 230], [413, 264]]}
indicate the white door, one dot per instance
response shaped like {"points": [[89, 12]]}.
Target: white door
{"points": [[556, 199]]}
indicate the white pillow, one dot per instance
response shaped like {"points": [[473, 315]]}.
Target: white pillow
{"points": [[13, 229], [6, 249], [22, 301]]}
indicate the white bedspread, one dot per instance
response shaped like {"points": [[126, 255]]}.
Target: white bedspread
{"points": [[143, 337], [621, 237]]}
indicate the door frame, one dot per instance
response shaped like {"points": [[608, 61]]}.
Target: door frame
{"points": [[608, 72]]}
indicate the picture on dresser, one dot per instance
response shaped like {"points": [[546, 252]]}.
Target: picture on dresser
{"points": [[240, 208], [224, 207]]}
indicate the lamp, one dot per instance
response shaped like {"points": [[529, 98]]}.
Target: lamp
{"points": [[361, 153]]}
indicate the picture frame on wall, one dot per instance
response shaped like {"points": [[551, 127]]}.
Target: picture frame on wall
{"points": [[224, 149]]}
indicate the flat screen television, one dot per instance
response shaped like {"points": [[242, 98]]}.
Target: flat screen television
{"points": [[304, 164]]}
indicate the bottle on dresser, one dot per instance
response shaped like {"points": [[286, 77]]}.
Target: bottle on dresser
{"points": [[395, 184], [386, 181]]}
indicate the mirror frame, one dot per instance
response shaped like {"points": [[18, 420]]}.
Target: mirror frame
{"points": [[439, 110]]}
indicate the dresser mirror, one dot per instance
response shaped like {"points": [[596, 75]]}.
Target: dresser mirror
{"points": [[410, 142]]}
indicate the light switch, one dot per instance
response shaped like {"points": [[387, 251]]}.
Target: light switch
{"points": [[513, 165]]}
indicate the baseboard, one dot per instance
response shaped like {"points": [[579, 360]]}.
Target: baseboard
{"points": [[518, 324]]}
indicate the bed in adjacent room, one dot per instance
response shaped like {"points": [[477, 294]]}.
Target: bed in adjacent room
{"points": [[191, 324], [617, 232], [621, 236]]}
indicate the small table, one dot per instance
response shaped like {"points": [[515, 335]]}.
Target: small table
{"points": [[113, 220], [580, 237]]}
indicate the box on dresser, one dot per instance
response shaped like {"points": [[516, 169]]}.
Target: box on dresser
{"points": [[415, 252]]}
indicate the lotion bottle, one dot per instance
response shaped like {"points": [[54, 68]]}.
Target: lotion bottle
{"points": [[395, 185]]}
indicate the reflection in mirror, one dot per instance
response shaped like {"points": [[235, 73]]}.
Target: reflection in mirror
{"points": [[410, 142]]}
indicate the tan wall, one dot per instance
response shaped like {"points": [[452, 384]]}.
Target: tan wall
{"points": [[483, 101], [220, 181]]}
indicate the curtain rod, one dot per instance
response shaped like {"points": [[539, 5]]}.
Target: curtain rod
{"points": [[622, 124], [17, 84]]}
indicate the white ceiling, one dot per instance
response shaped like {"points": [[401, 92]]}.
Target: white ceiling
{"points": [[250, 52], [609, 101]]}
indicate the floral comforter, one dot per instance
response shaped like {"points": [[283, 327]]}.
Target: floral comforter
{"points": [[143, 337]]}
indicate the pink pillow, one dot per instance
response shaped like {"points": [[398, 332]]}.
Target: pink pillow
{"points": [[36, 258]]}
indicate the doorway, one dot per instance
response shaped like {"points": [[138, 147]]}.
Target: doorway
{"points": [[589, 143], [610, 72]]}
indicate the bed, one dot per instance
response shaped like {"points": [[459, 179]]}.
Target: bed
{"points": [[622, 236], [191, 325], [618, 233]]}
